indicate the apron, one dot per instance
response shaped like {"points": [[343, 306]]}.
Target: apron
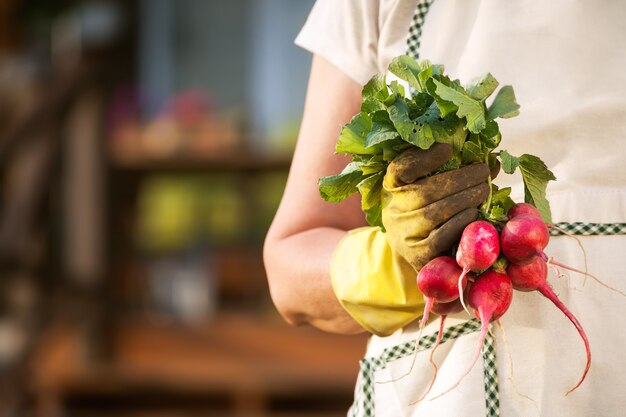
{"points": [[526, 368]]}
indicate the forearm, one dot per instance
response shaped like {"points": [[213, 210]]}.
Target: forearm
{"points": [[306, 229], [298, 269]]}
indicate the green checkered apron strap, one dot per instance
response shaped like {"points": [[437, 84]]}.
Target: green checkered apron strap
{"points": [[589, 229], [490, 376], [415, 30], [364, 405]]}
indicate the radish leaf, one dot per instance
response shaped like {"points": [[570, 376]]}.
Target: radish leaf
{"points": [[482, 87], [399, 115], [352, 137], [370, 189], [376, 88], [536, 176], [407, 69], [336, 188], [473, 110], [504, 105], [490, 135], [382, 130], [472, 153], [509, 162]]}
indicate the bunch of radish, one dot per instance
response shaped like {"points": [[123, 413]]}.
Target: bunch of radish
{"points": [[492, 261], [496, 255]]}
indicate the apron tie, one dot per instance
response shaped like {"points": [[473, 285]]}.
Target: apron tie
{"points": [[589, 229], [364, 400]]}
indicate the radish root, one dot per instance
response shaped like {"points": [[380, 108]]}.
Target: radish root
{"points": [[509, 355], [580, 244], [429, 303], [430, 359], [560, 274], [551, 261]]}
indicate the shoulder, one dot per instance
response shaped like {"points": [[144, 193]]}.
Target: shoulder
{"points": [[357, 36]]}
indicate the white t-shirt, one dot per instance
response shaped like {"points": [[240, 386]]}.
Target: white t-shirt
{"points": [[567, 63]]}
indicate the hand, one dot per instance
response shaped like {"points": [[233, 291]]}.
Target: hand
{"points": [[373, 273], [424, 216]]}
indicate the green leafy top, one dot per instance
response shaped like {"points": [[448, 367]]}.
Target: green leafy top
{"points": [[437, 109]]}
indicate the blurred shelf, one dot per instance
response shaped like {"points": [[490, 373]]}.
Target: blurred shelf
{"points": [[237, 362], [231, 162]]}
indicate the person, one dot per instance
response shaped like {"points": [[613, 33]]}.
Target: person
{"points": [[328, 269]]}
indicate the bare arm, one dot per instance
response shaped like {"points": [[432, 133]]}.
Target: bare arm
{"points": [[306, 229]]}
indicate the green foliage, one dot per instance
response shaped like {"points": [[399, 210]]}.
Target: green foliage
{"points": [[504, 105], [336, 188], [509, 162], [536, 176], [437, 109]]}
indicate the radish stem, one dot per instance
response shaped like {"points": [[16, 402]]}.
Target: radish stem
{"points": [[484, 318], [460, 285]]}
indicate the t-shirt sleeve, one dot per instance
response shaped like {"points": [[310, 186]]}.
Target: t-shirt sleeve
{"points": [[345, 32]]}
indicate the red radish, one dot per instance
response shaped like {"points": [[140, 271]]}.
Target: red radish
{"points": [[443, 309], [523, 237], [529, 209], [532, 277], [523, 208], [479, 246], [528, 277], [490, 296], [478, 249], [437, 280]]}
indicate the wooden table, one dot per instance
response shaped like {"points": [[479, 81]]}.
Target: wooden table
{"points": [[237, 365]]}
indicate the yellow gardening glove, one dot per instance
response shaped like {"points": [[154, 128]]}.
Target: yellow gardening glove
{"points": [[373, 273]]}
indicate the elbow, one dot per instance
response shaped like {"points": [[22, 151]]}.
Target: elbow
{"points": [[285, 307], [282, 295], [289, 314], [284, 304], [299, 286]]}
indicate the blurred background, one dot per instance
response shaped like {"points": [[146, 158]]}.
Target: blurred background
{"points": [[144, 147]]}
